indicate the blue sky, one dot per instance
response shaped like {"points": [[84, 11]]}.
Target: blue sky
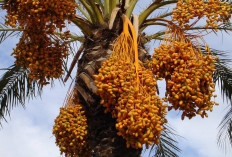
{"points": [[28, 133]]}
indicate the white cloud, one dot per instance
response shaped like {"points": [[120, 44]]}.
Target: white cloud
{"points": [[29, 132], [23, 139]]}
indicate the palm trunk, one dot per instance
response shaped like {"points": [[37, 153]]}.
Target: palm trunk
{"points": [[103, 140]]}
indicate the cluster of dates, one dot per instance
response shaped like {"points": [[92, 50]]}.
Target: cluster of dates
{"points": [[188, 74], [216, 11], [71, 132], [128, 90], [38, 50]]}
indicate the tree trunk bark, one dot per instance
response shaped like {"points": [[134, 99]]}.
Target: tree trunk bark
{"points": [[103, 140]]}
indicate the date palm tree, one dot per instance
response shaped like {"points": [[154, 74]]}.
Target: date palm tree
{"points": [[100, 24]]}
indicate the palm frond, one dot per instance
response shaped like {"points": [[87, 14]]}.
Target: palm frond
{"points": [[156, 36], [113, 5], [223, 73], [154, 6], [6, 32], [84, 25], [167, 146], [131, 8], [226, 27], [89, 10], [223, 76], [225, 132], [153, 21], [15, 88], [97, 11]]}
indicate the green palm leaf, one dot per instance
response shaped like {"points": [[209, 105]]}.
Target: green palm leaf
{"points": [[6, 32], [223, 76], [15, 88], [168, 145]]}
